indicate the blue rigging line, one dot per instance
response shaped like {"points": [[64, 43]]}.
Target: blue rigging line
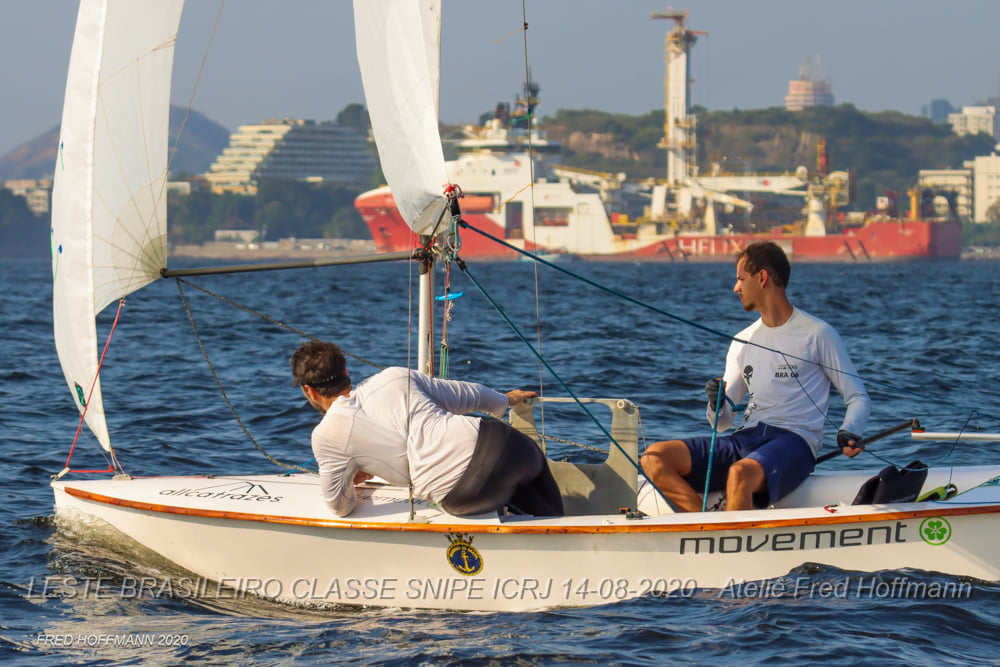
{"points": [[565, 386]]}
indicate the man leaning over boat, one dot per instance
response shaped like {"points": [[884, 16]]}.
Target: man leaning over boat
{"points": [[406, 427], [781, 367]]}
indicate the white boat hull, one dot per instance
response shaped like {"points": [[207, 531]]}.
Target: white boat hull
{"points": [[272, 536]]}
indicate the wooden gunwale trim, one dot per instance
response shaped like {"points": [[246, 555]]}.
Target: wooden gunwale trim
{"points": [[633, 526]]}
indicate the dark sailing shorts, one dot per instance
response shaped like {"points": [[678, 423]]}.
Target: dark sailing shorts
{"points": [[786, 458], [504, 458]]}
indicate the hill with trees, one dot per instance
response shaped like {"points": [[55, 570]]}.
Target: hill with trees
{"points": [[281, 209], [885, 149]]}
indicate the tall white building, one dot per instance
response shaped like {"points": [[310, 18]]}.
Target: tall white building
{"points": [[974, 120], [986, 184], [295, 149], [809, 90]]}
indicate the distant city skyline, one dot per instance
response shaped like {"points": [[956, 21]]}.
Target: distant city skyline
{"points": [[885, 55]]}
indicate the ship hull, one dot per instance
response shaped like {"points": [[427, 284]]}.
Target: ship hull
{"points": [[390, 233], [877, 241], [881, 241]]}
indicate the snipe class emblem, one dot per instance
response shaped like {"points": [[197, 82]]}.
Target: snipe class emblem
{"points": [[464, 557]]}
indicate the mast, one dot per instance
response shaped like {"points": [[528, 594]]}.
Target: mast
{"points": [[425, 315]]}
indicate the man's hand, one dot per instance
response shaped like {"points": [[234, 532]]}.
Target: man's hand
{"points": [[360, 477], [850, 443], [712, 389], [518, 396]]}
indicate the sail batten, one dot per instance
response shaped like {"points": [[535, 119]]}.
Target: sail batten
{"points": [[108, 205], [398, 46]]}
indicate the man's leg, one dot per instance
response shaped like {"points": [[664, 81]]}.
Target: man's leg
{"points": [[746, 477], [540, 495], [667, 464]]}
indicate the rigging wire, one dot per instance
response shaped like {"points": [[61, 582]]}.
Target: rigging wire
{"points": [[565, 386], [349, 354], [218, 381], [194, 89], [272, 320], [702, 327], [531, 198], [947, 455]]}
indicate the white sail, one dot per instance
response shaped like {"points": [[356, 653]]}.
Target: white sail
{"points": [[398, 44], [109, 219]]}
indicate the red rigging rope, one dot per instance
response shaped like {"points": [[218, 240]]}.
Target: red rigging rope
{"points": [[93, 385]]}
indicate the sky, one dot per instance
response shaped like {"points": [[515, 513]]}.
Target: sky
{"points": [[296, 58]]}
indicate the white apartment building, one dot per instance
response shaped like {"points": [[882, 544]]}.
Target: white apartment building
{"points": [[295, 149], [804, 94], [809, 90], [974, 120], [986, 184], [37, 192]]}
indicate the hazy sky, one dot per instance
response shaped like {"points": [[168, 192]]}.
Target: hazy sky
{"points": [[296, 57]]}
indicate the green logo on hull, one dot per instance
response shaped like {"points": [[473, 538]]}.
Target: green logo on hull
{"points": [[935, 530]]}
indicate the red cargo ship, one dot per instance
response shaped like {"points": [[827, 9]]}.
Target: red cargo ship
{"points": [[569, 214]]}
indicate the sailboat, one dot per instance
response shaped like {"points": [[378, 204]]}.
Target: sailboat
{"points": [[272, 535]]}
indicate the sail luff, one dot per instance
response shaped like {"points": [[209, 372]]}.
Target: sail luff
{"points": [[108, 204], [73, 314], [397, 43]]}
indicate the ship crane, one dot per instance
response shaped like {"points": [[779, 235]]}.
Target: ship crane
{"points": [[606, 183], [684, 190], [679, 136]]}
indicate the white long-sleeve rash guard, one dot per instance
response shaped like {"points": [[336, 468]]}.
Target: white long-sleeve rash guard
{"points": [[401, 425], [792, 390]]}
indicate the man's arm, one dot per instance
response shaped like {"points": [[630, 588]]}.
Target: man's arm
{"points": [[840, 369], [464, 397], [337, 476], [339, 496], [736, 390]]}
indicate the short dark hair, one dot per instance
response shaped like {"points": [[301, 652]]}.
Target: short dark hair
{"points": [[767, 255], [320, 365]]}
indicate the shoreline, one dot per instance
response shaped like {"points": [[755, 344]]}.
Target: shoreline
{"points": [[350, 247], [281, 251]]}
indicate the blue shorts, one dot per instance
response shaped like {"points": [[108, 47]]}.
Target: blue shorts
{"points": [[786, 458]]}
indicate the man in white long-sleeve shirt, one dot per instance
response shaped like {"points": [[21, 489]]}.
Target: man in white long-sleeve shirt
{"points": [[407, 427], [781, 367]]}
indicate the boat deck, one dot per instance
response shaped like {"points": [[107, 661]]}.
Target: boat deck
{"points": [[296, 499]]}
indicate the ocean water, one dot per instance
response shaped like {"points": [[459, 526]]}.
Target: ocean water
{"points": [[923, 335]]}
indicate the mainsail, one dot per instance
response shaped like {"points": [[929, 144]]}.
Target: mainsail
{"points": [[398, 44], [109, 211]]}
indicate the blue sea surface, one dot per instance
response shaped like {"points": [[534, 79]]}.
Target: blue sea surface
{"points": [[923, 336]]}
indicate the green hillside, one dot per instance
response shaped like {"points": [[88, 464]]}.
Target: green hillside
{"points": [[886, 149]]}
